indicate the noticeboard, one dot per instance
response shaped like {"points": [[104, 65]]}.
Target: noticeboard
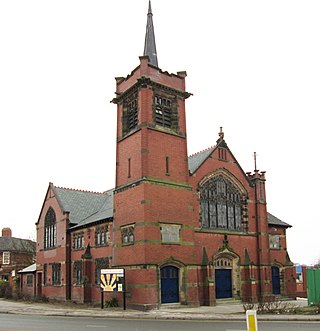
{"points": [[112, 280]]}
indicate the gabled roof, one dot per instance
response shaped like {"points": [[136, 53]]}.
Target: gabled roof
{"points": [[105, 212], [272, 220], [11, 244], [195, 160], [84, 207], [29, 269]]}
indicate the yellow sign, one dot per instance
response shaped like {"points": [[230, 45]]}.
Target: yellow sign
{"points": [[252, 324], [111, 280]]}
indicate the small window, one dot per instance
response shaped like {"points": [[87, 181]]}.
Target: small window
{"points": [[222, 153], [56, 274], [77, 272], [6, 258], [167, 166], [127, 234], [274, 241], [29, 280], [102, 235], [78, 240], [129, 167]]}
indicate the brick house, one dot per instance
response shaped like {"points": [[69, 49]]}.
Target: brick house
{"points": [[189, 230], [15, 254]]}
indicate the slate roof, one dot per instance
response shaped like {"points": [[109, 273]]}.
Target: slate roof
{"points": [[30, 268], [272, 220], [85, 207], [195, 160], [12, 244]]}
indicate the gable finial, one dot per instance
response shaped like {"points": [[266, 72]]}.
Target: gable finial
{"points": [[221, 133], [150, 41]]}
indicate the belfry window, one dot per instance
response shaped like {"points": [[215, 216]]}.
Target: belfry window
{"points": [[50, 229], [221, 205], [164, 114], [130, 113]]}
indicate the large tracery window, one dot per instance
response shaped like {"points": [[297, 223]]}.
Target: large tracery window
{"points": [[50, 229], [221, 205]]}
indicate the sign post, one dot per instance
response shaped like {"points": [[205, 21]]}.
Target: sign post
{"points": [[112, 280], [251, 316]]}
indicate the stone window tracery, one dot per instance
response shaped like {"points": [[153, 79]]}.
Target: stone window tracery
{"points": [[50, 229], [102, 235], [127, 234], [223, 263], [221, 205], [78, 240]]}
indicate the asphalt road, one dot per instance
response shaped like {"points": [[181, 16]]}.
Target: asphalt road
{"points": [[14, 322]]}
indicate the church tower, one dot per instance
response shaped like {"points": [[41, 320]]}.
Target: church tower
{"points": [[153, 223]]}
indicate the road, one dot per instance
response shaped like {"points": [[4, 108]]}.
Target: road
{"points": [[51, 323]]}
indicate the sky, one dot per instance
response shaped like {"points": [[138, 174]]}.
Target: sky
{"points": [[253, 68]]}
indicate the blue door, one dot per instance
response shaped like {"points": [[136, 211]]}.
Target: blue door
{"points": [[169, 284], [275, 280], [223, 283]]}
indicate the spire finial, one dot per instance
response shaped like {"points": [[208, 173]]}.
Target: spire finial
{"points": [[149, 10], [150, 41]]}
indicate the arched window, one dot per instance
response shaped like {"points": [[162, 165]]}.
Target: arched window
{"points": [[50, 229], [221, 205]]}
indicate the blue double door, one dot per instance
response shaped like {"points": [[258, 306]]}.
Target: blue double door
{"points": [[223, 282], [169, 284]]}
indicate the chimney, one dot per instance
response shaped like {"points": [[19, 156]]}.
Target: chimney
{"points": [[6, 232]]}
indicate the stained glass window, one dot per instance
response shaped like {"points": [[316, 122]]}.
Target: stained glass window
{"points": [[221, 204]]}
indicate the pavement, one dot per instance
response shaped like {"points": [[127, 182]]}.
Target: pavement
{"points": [[222, 311]]}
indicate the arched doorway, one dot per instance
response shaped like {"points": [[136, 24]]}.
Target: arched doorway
{"points": [[169, 284], [226, 275], [275, 271]]}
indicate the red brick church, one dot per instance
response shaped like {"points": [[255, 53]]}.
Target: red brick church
{"points": [[189, 230]]}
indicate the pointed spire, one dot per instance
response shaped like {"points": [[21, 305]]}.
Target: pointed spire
{"points": [[150, 41]]}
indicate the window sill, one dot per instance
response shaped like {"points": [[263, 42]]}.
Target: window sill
{"points": [[127, 244]]}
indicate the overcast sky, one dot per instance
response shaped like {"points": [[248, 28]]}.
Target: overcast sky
{"points": [[253, 68]]}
